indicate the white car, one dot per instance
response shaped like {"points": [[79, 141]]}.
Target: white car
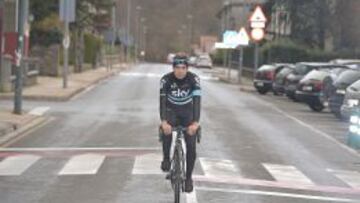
{"points": [[204, 61]]}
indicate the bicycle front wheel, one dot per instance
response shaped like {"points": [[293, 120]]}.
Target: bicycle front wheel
{"points": [[177, 192]]}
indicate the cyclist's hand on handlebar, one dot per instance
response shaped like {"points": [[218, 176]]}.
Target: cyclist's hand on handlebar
{"points": [[166, 127], [193, 128]]}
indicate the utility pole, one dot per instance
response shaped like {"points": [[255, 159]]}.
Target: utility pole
{"points": [[128, 30], [190, 30], [113, 16], [137, 25], [22, 12]]}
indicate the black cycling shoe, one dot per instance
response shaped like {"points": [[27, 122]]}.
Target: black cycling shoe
{"points": [[165, 165], [189, 187]]}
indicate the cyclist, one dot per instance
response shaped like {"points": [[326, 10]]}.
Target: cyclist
{"points": [[180, 96]]}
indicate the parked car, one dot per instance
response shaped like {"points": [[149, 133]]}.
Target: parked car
{"points": [[338, 89], [170, 58], [204, 61], [293, 79], [310, 89], [345, 61], [351, 100], [279, 81], [265, 75], [192, 60]]}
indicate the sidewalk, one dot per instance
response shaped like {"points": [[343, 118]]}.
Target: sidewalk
{"points": [[48, 89], [12, 125], [223, 75]]}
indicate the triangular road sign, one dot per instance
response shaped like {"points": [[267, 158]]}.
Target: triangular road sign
{"points": [[258, 15]]}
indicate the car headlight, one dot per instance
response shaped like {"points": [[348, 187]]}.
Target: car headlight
{"points": [[341, 91], [353, 129], [353, 102], [354, 119]]}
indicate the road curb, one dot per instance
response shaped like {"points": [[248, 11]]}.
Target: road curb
{"points": [[22, 129], [60, 98]]}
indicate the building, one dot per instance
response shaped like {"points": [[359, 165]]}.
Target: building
{"points": [[207, 43]]}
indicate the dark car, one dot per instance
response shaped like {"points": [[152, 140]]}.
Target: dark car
{"points": [[293, 79], [265, 75], [351, 101], [338, 89], [310, 88], [280, 78]]}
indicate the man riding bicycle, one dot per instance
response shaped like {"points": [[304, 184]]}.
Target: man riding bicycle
{"points": [[180, 95]]}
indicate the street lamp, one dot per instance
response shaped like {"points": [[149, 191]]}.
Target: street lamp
{"points": [[138, 9]]}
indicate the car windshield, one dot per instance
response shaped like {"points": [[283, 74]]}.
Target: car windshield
{"points": [[348, 76], [267, 68], [317, 74], [302, 69]]}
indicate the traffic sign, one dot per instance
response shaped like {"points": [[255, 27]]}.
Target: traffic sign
{"points": [[257, 34], [67, 10], [66, 42], [258, 19], [243, 37]]}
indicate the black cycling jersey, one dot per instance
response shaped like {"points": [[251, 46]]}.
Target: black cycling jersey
{"points": [[180, 96]]}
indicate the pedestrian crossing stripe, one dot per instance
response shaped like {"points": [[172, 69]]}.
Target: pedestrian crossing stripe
{"points": [[85, 164], [149, 164], [285, 173], [17, 165], [351, 178]]}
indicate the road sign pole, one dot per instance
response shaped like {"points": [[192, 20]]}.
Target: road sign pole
{"points": [[256, 58], [241, 54], [66, 44], [19, 57]]}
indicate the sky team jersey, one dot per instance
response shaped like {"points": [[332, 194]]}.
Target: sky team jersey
{"points": [[181, 96]]}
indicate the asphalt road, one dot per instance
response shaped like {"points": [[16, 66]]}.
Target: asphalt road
{"points": [[102, 147]]}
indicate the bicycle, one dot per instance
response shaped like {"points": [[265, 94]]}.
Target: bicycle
{"points": [[177, 173]]}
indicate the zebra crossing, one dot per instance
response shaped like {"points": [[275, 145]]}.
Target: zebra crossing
{"points": [[148, 164]]}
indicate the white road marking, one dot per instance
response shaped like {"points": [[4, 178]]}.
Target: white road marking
{"points": [[285, 173], [277, 194], [39, 111], [218, 167], [86, 164], [148, 164], [191, 197], [352, 178], [319, 132], [154, 75], [44, 149], [16, 165]]}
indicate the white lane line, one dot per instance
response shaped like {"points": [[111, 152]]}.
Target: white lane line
{"points": [[277, 194], [86, 164], [191, 197], [286, 173], [218, 167], [39, 111], [16, 165], [319, 132], [154, 75], [44, 149], [148, 164], [352, 178]]}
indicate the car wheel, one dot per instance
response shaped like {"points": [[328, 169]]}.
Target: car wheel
{"points": [[262, 91], [316, 107]]}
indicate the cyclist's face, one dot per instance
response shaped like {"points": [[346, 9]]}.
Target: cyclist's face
{"points": [[180, 71]]}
